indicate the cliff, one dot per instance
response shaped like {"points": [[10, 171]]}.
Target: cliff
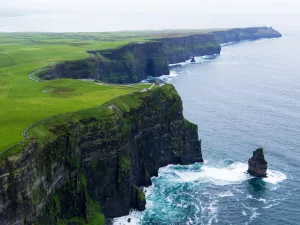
{"points": [[242, 34], [179, 49], [75, 164], [128, 64], [134, 62]]}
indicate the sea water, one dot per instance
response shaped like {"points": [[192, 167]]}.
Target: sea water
{"points": [[245, 98]]}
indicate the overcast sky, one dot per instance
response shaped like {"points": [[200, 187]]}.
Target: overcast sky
{"points": [[100, 15]]}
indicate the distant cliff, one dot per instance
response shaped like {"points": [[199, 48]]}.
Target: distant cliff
{"points": [[242, 34], [179, 49], [79, 165], [128, 64], [134, 62]]}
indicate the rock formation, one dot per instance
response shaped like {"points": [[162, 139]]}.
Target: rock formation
{"points": [[257, 165]]}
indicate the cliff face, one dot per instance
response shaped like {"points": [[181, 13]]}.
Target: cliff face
{"points": [[96, 158], [242, 34], [183, 48], [128, 64]]}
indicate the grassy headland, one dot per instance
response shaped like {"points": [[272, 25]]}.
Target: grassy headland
{"points": [[24, 101]]}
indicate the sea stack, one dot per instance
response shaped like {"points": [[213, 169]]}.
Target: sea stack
{"points": [[257, 165]]}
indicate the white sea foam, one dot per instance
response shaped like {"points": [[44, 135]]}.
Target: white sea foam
{"points": [[254, 215], [233, 173], [212, 212], [134, 216], [226, 194], [228, 43], [181, 63], [168, 78], [265, 201], [219, 176], [274, 177]]}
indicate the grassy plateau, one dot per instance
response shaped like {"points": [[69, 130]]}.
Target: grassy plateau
{"points": [[24, 101]]}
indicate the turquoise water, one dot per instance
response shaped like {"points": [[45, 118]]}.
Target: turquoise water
{"points": [[248, 97]]}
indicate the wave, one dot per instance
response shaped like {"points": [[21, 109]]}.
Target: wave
{"points": [[274, 177], [173, 185], [233, 173], [227, 43], [134, 218], [219, 176], [168, 78]]}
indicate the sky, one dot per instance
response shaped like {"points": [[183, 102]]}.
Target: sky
{"points": [[113, 15]]}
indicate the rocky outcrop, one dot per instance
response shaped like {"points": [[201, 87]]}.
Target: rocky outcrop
{"points": [[76, 164], [242, 34], [257, 165]]}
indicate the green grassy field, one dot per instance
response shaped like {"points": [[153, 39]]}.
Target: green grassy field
{"points": [[24, 101]]}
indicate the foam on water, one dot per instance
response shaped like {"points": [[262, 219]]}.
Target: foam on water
{"points": [[134, 218], [168, 78], [274, 177], [226, 194], [219, 176]]}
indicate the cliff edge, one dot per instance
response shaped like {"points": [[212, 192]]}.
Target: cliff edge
{"points": [[79, 166]]}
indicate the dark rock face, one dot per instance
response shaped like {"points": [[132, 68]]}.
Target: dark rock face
{"points": [[180, 49], [128, 64], [102, 155], [242, 34], [257, 164]]}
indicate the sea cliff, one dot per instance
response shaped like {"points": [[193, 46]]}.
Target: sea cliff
{"points": [[134, 62], [77, 168], [243, 34]]}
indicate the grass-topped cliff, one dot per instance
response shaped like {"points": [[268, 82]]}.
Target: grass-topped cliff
{"points": [[75, 167], [24, 101]]}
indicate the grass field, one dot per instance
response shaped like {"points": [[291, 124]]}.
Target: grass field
{"points": [[24, 101]]}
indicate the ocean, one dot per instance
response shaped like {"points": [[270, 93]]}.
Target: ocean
{"points": [[245, 98]]}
